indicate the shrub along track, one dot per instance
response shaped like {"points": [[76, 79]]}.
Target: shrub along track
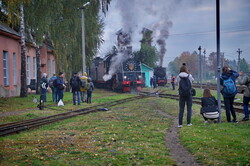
{"points": [[10, 128]]}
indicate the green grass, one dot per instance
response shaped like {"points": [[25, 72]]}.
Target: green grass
{"points": [[128, 134], [13, 105], [215, 144]]}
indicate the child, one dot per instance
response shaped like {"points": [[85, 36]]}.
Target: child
{"points": [[90, 89], [209, 109]]}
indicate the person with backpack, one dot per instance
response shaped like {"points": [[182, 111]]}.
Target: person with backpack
{"points": [[229, 90], [184, 80], [172, 80], [44, 86], [75, 83], [90, 88], [84, 81], [209, 106], [53, 89], [245, 80]]}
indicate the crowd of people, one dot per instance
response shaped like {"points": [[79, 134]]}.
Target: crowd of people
{"points": [[209, 105], [81, 88]]}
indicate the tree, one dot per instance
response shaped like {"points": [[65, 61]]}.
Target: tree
{"points": [[15, 13], [147, 55], [173, 66], [60, 22], [243, 66]]}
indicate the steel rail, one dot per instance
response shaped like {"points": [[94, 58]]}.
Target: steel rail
{"points": [[9, 128]]}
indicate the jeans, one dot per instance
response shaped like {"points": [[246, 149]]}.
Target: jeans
{"points": [[60, 94], [76, 94], [245, 106], [182, 101], [84, 96], [44, 94], [54, 94], [89, 97], [173, 85], [228, 102]]}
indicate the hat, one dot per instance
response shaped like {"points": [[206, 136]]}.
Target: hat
{"points": [[60, 73], [75, 72], [85, 74]]}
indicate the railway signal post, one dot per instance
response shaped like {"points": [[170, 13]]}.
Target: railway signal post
{"points": [[200, 67]]}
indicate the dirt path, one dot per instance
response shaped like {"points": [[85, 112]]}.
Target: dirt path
{"points": [[181, 155]]}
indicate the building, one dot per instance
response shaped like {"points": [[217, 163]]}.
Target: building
{"points": [[147, 73], [10, 62]]}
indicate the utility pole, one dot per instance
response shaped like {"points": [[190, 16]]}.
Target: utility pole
{"points": [[218, 55], [238, 66], [83, 39], [200, 68], [204, 64]]}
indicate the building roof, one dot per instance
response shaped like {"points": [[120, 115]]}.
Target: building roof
{"points": [[7, 29], [146, 67]]}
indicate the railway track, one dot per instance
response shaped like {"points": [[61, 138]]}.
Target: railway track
{"points": [[15, 127], [197, 100], [10, 128]]}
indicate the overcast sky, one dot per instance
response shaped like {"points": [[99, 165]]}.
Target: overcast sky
{"points": [[188, 23]]}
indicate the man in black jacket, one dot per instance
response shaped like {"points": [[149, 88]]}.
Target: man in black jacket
{"points": [[75, 83], [44, 86]]}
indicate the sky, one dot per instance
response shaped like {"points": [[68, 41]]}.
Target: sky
{"points": [[186, 25]]}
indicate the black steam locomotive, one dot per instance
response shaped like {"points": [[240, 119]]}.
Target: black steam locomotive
{"points": [[161, 76], [126, 77]]}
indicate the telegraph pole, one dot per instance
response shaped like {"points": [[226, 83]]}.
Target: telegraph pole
{"points": [[238, 66], [200, 68], [205, 64], [218, 55]]}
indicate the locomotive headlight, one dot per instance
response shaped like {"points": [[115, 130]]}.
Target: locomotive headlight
{"points": [[140, 77], [125, 77]]}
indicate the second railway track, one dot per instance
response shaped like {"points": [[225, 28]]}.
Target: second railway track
{"points": [[9, 128]]}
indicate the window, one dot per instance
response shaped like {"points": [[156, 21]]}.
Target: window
{"points": [[34, 68], [49, 67], [28, 70], [6, 68], [54, 67], [14, 69]]}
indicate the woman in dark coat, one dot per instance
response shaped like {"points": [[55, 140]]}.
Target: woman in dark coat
{"points": [[208, 104]]}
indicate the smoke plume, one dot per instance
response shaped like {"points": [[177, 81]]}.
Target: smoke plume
{"points": [[116, 62]]}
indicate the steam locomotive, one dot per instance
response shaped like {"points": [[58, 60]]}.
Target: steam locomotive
{"points": [[161, 77], [126, 78]]}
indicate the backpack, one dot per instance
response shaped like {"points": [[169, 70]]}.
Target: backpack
{"points": [[55, 83], [83, 83], [87, 86], [229, 87], [51, 83], [74, 83], [185, 86]]}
